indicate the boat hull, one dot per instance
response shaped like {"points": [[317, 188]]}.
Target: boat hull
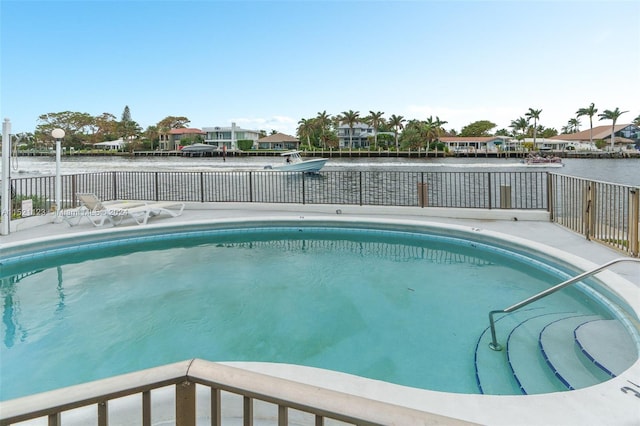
{"points": [[310, 166]]}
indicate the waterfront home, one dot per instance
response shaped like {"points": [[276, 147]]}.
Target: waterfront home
{"points": [[229, 136], [627, 136], [279, 141], [171, 141], [356, 136], [110, 145], [473, 144]]}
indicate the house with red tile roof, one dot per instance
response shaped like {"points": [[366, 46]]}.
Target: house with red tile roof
{"points": [[171, 141]]}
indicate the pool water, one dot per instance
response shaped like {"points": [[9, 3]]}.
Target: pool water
{"points": [[395, 306]]}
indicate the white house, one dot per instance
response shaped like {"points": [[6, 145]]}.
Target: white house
{"points": [[229, 136], [110, 145]]}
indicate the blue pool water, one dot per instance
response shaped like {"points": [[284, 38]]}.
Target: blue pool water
{"points": [[401, 307]]}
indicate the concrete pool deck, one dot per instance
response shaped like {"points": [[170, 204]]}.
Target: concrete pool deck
{"points": [[613, 402]]}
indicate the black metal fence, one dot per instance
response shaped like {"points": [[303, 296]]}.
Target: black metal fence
{"points": [[483, 190], [601, 211]]}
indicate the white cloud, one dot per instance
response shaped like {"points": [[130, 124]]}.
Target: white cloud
{"points": [[280, 123]]}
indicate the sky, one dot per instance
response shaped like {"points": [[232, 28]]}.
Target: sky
{"points": [[266, 64]]}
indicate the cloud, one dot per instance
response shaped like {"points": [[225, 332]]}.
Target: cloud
{"points": [[280, 123]]}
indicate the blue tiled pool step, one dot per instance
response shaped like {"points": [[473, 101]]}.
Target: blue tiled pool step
{"points": [[551, 352], [562, 355], [595, 339]]}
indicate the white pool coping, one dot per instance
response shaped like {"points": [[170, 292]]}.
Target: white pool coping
{"points": [[611, 402]]}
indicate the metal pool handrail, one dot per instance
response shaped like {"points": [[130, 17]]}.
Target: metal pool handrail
{"points": [[494, 342]]}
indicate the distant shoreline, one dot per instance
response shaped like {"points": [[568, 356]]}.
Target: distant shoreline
{"points": [[345, 153]]}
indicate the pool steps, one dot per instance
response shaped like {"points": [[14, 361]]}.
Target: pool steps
{"points": [[552, 352]]}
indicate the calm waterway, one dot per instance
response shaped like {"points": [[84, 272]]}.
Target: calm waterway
{"points": [[622, 171]]}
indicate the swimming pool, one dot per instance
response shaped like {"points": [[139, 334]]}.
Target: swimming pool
{"points": [[390, 303]]}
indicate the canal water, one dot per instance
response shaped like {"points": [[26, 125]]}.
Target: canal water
{"points": [[621, 171]]}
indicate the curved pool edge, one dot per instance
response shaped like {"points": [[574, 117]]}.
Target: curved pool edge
{"points": [[611, 402]]}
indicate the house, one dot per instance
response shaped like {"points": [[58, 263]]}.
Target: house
{"points": [[356, 137], [626, 136], [473, 144], [229, 136], [171, 141], [110, 145], [278, 141]]}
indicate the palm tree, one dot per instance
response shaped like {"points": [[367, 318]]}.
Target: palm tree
{"points": [[520, 124], [428, 132], [535, 114], [430, 128], [590, 111], [439, 123], [350, 118], [574, 125], [636, 121], [375, 119], [396, 121], [323, 120], [607, 114], [305, 128]]}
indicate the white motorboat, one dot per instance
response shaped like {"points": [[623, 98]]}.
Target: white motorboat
{"points": [[293, 162]]}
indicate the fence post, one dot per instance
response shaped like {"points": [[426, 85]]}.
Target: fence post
{"points": [[155, 195], [634, 222], [423, 199], [505, 196], [303, 189], [114, 184], [490, 192], [360, 184], [589, 210], [186, 404], [74, 186], [251, 187], [551, 194], [202, 187]]}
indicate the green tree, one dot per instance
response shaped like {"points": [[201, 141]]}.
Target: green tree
{"points": [[76, 126], [375, 120], [128, 129], [439, 130], [151, 136], [397, 122], [503, 132], [574, 125], [350, 118], [636, 121], [323, 120], [305, 129], [612, 115], [413, 135], [548, 132], [590, 111], [535, 115], [478, 128], [520, 124], [106, 127], [165, 125]]}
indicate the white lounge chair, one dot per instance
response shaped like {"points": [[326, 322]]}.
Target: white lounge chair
{"points": [[98, 213]]}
